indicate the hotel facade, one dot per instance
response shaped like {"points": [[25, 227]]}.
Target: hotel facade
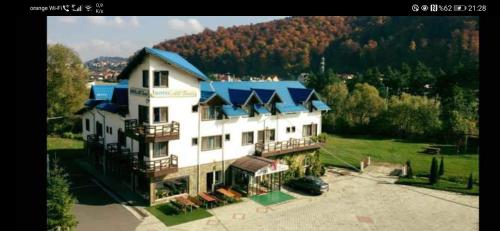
{"points": [[166, 130]]}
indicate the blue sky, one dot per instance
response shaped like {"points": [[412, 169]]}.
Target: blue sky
{"points": [[94, 36]]}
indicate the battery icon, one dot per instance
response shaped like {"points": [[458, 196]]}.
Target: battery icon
{"points": [[459, 7]]}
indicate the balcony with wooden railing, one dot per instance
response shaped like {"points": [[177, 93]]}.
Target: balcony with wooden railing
{"points": [[152, 132], [289, 146], [155, 168]]}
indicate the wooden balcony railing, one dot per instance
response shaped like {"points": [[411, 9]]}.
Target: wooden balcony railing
{"points": [[152, 133], [289, 146], [94, 138], [155, 167]]}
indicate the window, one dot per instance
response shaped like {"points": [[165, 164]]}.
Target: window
{"points": [[172, 187], [194, 108], [288, 129], [143, 149], [160, 149], [247, 138], [160, 114], [98, 127], [309, 106], [87, 124], [143, 114], [293, 128], [122, 140], [273, 108], [250, 110], [269, 136], [309, 130], [211, 143], [160, 79], [107, 129], [211, 113], [228, 137], [111, 130], [194, 141], [145, 78]]}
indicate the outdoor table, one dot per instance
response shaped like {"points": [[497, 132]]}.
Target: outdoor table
{"points": [[226, 193], [207, 197], [185, 202]]}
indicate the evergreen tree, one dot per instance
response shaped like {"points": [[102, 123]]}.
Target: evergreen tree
{"points": [[470, 182], [433, 177], [409, 170], [441, 167], [59, 200]]}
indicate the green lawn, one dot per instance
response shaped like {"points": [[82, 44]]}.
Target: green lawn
{"points": [[168, 216], [353, 150]]}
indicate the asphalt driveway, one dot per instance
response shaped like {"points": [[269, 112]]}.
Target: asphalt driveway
{"points": [[95, 210]]}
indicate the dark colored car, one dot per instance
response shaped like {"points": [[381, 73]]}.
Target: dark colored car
{"points": [[309, 184]]}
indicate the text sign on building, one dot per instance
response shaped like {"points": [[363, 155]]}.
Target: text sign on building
{"points": [[138, 91], [165, 92]]}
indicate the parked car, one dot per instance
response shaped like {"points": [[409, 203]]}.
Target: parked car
{"points": [[309, 184]]}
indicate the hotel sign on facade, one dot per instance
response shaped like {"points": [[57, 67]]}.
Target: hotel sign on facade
{"points": [[163, 92]]}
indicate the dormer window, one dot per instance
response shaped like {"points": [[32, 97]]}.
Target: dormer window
{"points": [[250, 108], [160, 79]]}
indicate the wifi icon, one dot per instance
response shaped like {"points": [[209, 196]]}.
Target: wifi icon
{"points": [[88, 7]]}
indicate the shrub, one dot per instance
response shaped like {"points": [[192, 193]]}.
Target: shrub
{"points": [[433, 178], [441, 167], [409, 171], [322, 171], [308, 170], [68, 135], [470, 182]]}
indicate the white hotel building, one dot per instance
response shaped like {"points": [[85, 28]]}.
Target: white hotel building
{"points": [[166, 130]]}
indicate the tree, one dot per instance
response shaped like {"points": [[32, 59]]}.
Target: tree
{"points": [[66, 91], [470, 182], [441, 167], [433, 177], [364, 103], [59, 200], [415, 115], [335, 95], [316, 165], [409, 170]]}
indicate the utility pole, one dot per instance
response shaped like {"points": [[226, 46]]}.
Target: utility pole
{"points": [[323, 65]]}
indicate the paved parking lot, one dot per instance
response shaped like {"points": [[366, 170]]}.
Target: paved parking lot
{"points": [[368, 201]]}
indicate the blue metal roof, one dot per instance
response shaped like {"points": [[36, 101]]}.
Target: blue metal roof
{"points": [[238, 97], [320, 105], [292, 93], [204, 95], [290, 108], [231, 111], [300, 95], [264, 94], [261, 109], [120, 96], [92, 102], [176, 60], [101, 92], [110, 107]]}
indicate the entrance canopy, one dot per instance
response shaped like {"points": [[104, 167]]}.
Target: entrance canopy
{"points": [[258, 166]]}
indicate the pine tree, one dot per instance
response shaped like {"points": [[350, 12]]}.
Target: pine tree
{"points": [[441, 167], [433, 178], [59, 200], [409, 171], [470, 182]]}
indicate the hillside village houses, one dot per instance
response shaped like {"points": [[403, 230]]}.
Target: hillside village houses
{"points": [[165, 130]]}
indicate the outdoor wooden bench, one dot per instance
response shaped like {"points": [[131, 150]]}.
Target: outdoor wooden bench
{"points": [[195, 201], [185, 203], [432, 150], [237, 195], [207, 198]]}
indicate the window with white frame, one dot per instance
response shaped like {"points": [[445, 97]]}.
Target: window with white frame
{"points": [[247, 138], [211, 142], [160, 79], [160, 149]]}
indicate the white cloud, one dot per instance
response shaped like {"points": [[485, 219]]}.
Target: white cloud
{"points": [[114, 21], [134, 21], [98, 47], [189, 26], [67, 19]]}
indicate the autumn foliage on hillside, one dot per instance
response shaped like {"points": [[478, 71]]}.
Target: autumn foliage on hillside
{"points": [[350, 44]]}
